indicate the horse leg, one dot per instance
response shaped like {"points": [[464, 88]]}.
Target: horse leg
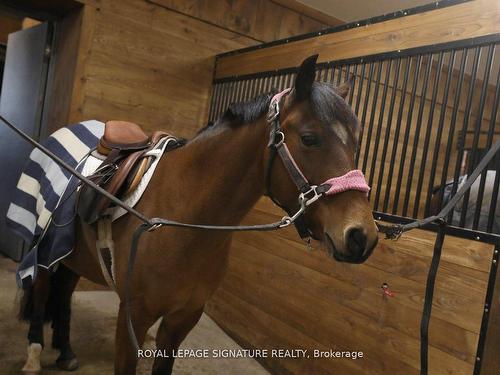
{"points": [[126, 355], [33, 306], [64, 283], [169, 337]]}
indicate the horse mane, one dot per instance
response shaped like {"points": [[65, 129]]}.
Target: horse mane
{"points": [[326, 103]]}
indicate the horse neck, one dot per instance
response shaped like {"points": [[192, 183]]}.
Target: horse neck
{"points": [[221, 173]]}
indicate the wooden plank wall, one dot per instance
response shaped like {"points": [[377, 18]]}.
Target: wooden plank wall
{"points": [[262, 20], [467, 20], [145, 63], [279, 295]]}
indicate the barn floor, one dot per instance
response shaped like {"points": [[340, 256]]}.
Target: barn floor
{"points": [[94, 316]]}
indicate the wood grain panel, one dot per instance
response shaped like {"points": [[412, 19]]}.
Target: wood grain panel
{"points": [[143, 63], [324, 297], [471, 19], [244, 17]]}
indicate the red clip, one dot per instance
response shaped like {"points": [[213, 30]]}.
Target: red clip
{"points": [[386, 291]]}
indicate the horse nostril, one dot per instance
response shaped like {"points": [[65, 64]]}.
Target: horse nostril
{"points": [[356, 241]]}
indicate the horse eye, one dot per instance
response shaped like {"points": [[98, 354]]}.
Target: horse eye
{"points": [[310, 140]]}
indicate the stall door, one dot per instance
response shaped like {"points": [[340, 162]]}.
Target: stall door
{"points": [[21, 102]]}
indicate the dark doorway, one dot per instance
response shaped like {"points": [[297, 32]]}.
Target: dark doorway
{"points": [[38, 56], [22, 98]]}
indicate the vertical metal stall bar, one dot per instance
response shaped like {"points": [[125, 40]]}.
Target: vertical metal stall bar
{"points": [[339, 77], [229, 96], [222, 101], [213, 103], [353, 87], [456, 107], [470, 94], [479, 120], [380, 122], [255, 87], [365, 107], [269, 85], [418, 126], [395, 144], [494, 195], [281, 82], [360, 92], [427, 139], [394, 93], [263, 85], [216, 104], [239, 91], [251, 88], [406, 137], [372, 116], [321, 74], [284, 81], [332, 74], [259, 88], [274, 83], [291, 80], [473, 155], [246, 93], [439, 134]]}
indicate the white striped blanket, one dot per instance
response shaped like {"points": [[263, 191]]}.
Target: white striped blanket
{"points": [[40, 189]]}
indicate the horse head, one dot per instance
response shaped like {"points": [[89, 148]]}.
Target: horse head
{"points": [[322, 134]]}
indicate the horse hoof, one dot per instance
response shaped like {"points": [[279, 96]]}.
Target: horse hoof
{"points": [[32, 365], [68, 364]]}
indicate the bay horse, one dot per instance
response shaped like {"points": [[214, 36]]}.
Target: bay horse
{"points": [[215, 179]]}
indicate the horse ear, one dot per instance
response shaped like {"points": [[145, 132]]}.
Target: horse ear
{"points": [[305, 78], [343, 89]]}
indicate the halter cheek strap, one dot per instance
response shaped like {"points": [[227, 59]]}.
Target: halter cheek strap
{"points": [[352, 180]]}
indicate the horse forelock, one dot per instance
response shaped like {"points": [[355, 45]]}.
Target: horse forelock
{"points": [[330, 108]]}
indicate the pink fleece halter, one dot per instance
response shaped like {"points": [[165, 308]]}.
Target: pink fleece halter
{"points": [[352, 180]]}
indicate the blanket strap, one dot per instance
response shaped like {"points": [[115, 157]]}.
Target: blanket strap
{"points": [[105, 250]]}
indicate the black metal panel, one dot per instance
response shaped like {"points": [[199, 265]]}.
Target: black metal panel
{"points": [[420, 117]]}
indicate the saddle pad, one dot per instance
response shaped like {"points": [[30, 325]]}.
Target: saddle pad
{"points": [[93, 162], [45, 194]]}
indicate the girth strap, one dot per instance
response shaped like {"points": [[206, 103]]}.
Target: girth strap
{"points": [[105, 250]]}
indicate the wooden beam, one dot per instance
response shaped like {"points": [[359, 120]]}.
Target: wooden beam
{"points": [[313, 13], [467, 20]]}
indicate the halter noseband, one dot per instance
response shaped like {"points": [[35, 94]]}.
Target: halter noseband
{"points": [[308, 194]]}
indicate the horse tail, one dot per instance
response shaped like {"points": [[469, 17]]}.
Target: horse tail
{"points": [[44, 284]]}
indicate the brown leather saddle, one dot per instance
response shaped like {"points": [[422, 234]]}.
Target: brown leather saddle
{"points": [[125, 146]]}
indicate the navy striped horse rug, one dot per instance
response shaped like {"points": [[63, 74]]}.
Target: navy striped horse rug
{"points": [[43, 206]]}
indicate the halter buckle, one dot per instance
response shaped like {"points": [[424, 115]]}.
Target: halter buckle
{"points": [[274, 114], [309, 197], [282, 138]]}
